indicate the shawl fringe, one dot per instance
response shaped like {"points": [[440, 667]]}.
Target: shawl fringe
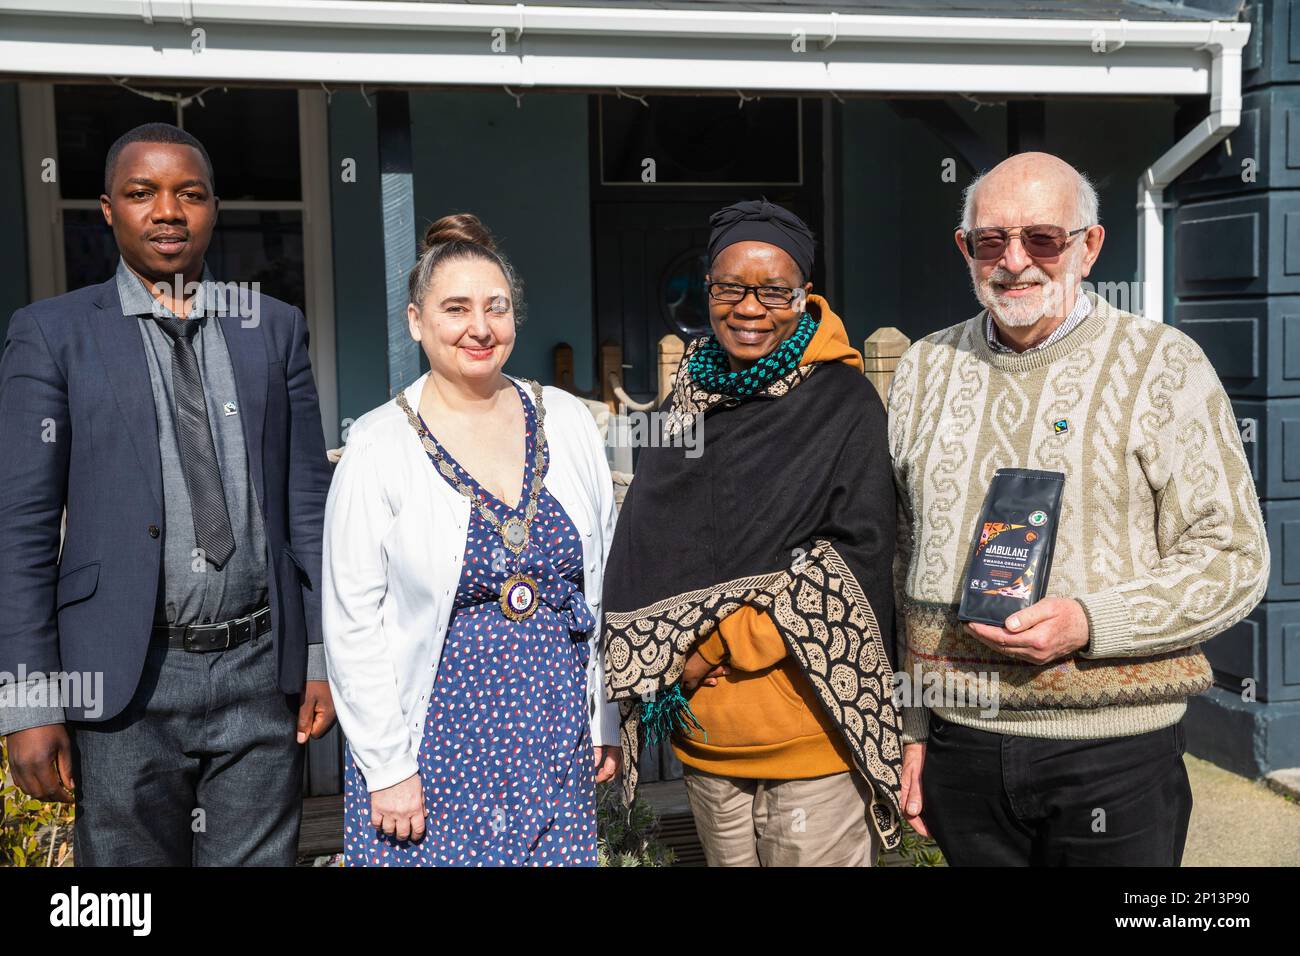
{"points": [[828, 626]]}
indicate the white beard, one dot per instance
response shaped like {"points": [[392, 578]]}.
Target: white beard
{"points": [[1048, 301]]}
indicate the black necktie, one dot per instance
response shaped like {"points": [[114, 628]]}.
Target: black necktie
{"points": [[198, 453]]}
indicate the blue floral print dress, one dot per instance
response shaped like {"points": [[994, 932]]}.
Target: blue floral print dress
{"points": [[506, 762]]}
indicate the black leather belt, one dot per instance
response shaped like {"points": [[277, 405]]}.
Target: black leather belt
{"points": [[215, 637]]}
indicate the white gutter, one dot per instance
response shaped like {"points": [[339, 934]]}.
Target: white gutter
{"points": [[626, 21], [407, 43], [1224, 117]]}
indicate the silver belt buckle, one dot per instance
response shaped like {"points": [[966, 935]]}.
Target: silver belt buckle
{"points": [[191, 628]]}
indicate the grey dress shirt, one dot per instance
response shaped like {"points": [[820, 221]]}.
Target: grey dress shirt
{"points": [[191, 590]]}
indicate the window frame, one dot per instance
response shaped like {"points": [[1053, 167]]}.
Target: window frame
{"points": [[47, 266]]}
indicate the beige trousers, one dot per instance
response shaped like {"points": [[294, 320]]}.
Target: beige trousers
{"points": [[817, 822]]}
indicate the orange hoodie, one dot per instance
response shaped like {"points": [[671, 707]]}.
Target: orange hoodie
{"points": [[764, 720], [831, 342]]}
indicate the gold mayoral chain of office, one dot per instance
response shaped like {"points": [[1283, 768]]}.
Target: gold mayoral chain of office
{"points": [[519, 593]]}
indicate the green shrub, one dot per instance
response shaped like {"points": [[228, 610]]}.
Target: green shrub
{"points": [[915, 850], [627, 836], [32, 832]]}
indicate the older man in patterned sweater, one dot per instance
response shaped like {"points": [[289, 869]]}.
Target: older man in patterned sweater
{"points": [[1160, 544]]}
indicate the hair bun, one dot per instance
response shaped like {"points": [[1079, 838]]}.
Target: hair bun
{"points": [[459, 227]]}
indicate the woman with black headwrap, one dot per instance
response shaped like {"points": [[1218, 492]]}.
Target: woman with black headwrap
{"points": [[748, 595]]}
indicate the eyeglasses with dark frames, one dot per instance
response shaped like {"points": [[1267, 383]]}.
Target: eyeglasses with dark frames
{"points": [[777, 296], [1040, 241]]}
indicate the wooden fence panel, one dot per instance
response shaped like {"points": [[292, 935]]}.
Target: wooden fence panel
{"points": [[880, 354]]}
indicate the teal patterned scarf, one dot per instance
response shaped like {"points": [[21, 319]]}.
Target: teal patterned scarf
{"points": [[708, 366]]}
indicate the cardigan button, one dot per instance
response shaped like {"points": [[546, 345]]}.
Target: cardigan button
{"points": [[153, 531]]}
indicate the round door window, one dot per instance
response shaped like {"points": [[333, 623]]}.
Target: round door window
{"points": [[682, 299]]}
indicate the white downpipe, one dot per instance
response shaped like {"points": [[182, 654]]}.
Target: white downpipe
{"points": [[1223, 118]]}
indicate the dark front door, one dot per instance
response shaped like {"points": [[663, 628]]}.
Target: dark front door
{"points": [[701, 153], [650, 237]]}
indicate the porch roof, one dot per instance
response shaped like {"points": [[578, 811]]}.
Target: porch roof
{"points": [[1108, 47]]}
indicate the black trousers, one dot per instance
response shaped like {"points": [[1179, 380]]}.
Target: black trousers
{"points": [[998, 800], [202, 768]]}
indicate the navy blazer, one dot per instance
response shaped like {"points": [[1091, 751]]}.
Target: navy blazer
{"points": [[78, 427]]}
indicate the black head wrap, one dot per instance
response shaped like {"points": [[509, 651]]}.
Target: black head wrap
{"points": [[763, 221]]}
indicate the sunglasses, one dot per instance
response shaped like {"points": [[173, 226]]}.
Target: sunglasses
{"points": [[778, 296], [1040, 241]]}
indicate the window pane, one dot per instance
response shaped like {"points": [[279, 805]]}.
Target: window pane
{"points": [[257, 161], [263, 247], [252, 137], [700, 139], [87, 120], [89, 253], [683, 301], [247, 246]]}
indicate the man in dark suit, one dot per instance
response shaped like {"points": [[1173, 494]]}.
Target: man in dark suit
{"points": [[164, 656]]}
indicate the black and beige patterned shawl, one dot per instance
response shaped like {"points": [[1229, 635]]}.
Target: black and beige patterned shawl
{"points": [[790, 509]]}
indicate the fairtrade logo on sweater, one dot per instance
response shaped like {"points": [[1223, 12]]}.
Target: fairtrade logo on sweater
{"points": [[230, 408], [1061, 426]]}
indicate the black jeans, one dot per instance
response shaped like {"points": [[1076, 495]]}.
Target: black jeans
{"points": [[998, 800], [202, 768]]}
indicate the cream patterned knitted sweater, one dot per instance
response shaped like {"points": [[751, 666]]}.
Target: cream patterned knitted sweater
{"points": [[1160, 536]]}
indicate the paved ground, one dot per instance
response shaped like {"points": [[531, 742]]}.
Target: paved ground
{"points": [[1239, 822], [1235, 821]]}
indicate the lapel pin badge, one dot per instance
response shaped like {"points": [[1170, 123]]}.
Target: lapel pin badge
{"points": [[1061, 426], [230, 409]]}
